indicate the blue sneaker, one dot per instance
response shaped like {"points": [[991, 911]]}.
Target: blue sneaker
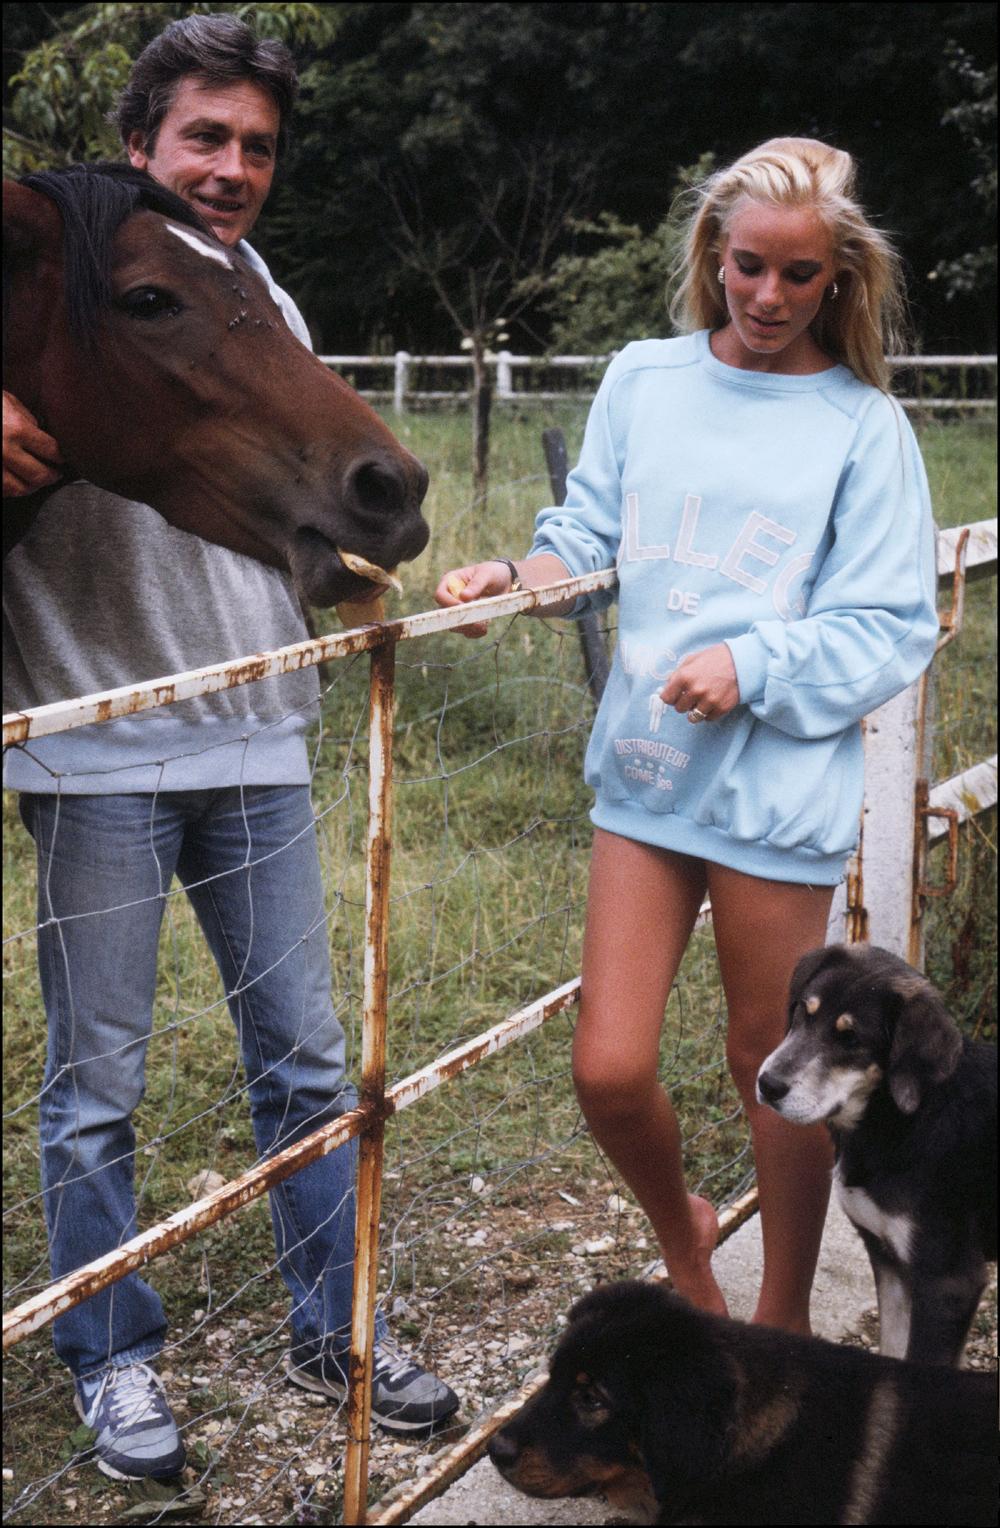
{"points": [[137, 1436], [405, 1397]]}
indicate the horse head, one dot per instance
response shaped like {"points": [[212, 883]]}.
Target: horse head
{"points": [[161, 364]]}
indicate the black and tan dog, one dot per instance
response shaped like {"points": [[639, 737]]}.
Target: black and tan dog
{"points": [[912, 1108], [711, 1421]]}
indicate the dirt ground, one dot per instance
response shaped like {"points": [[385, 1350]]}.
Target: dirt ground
{"points": [[263, 1451]]}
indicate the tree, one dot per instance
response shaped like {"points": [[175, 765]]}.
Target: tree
{"points": [[436, 102], [975, 117], [435, 172], [68, 82], [620, 288], [634, 90], [486, 267], [630, 89]]}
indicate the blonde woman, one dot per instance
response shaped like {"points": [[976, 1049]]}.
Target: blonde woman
{"points": [[766, 507]]}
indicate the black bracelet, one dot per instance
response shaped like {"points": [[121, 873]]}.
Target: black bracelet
{"points": [[515, 578]]}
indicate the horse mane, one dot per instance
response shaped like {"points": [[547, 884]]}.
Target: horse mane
{"points": [[94, 200]]}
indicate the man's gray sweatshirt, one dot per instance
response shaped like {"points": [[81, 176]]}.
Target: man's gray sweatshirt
{"points": [[103, 592]]}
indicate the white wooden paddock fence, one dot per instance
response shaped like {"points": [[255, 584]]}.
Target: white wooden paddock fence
{"points": [[508, 370]]}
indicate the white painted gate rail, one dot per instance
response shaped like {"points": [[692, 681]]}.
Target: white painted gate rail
{"points": [[882, 900]]}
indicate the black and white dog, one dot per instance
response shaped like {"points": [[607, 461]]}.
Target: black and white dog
{"points": [[912, 1107]]}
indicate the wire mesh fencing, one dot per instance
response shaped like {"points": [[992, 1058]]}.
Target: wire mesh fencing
{"points": [[497, 1210]]}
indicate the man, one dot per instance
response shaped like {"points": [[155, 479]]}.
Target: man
{"points": [[215, 790]]}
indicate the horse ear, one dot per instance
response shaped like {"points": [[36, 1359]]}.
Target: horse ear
{"points": [[31, 222], [926, 1043]]}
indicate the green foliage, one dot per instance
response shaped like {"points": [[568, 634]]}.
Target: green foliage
{"points": [[456, 96], [61, 100], [434, 167], [69, 82], [460, 113], [616, 293], [620, 290], [975, 117]]}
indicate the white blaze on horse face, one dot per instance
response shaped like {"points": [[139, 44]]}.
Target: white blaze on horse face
{"points": [[196, 242]]}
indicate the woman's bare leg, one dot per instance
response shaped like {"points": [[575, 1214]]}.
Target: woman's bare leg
{"points": [[642, 906], [761, 929]]}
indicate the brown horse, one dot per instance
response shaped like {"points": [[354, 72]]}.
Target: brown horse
{"points": [[160, 363]]}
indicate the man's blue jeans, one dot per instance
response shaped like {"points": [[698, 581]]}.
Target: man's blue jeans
{"points": [[248, 860]]}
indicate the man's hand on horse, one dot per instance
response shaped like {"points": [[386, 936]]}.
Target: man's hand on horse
{"points": [[31, 459]]}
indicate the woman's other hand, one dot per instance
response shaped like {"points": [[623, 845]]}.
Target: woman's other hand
{"points": [[703, 685]]}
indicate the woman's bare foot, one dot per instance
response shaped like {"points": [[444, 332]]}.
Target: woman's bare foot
{"points": [[788, 1321], [693, 1277]]}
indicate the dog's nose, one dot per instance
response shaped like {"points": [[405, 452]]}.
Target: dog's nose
{"points": [[770, 1088], [502, 1449]]}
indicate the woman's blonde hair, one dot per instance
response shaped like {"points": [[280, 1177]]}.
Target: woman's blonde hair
{"points": [[867, 318]]}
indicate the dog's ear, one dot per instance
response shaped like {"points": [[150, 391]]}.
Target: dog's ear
{"points": [[804, 972], [926, 1043]]}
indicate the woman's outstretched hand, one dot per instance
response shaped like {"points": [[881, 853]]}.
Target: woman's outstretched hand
{"points": [[476, 582]]}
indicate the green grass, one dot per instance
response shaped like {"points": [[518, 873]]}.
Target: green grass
{"points": [[490, 851], [961, 941]]}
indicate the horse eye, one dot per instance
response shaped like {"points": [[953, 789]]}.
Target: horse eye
{"points": [[149, 303]]}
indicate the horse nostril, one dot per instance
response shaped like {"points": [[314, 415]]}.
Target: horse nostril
{"points": [[502, 1449], [376, 489], [771, 1088]]}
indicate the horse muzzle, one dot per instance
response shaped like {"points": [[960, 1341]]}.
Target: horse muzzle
{"points": [[377, 525]]}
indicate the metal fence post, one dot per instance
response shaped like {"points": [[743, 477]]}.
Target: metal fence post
{"points": [[897, 744], [878, 901], [595, 653], [382, 698]]}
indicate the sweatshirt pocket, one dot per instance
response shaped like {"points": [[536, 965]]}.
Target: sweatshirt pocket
{"points": [[645, 752], [791, 793]]}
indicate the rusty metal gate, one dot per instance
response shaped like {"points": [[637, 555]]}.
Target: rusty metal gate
{"points": [[890, 868]]}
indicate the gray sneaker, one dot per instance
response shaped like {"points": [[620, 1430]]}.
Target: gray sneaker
{"points": [[137, 1436], [405, 1397]]}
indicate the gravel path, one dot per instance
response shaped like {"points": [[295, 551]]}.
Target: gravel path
{"points": [[843, 1310]]}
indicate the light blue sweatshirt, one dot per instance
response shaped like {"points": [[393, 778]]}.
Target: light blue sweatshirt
{"points": [[787, 516]]}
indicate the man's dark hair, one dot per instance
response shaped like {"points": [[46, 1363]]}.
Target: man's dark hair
{"points": [[221, 48]]}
